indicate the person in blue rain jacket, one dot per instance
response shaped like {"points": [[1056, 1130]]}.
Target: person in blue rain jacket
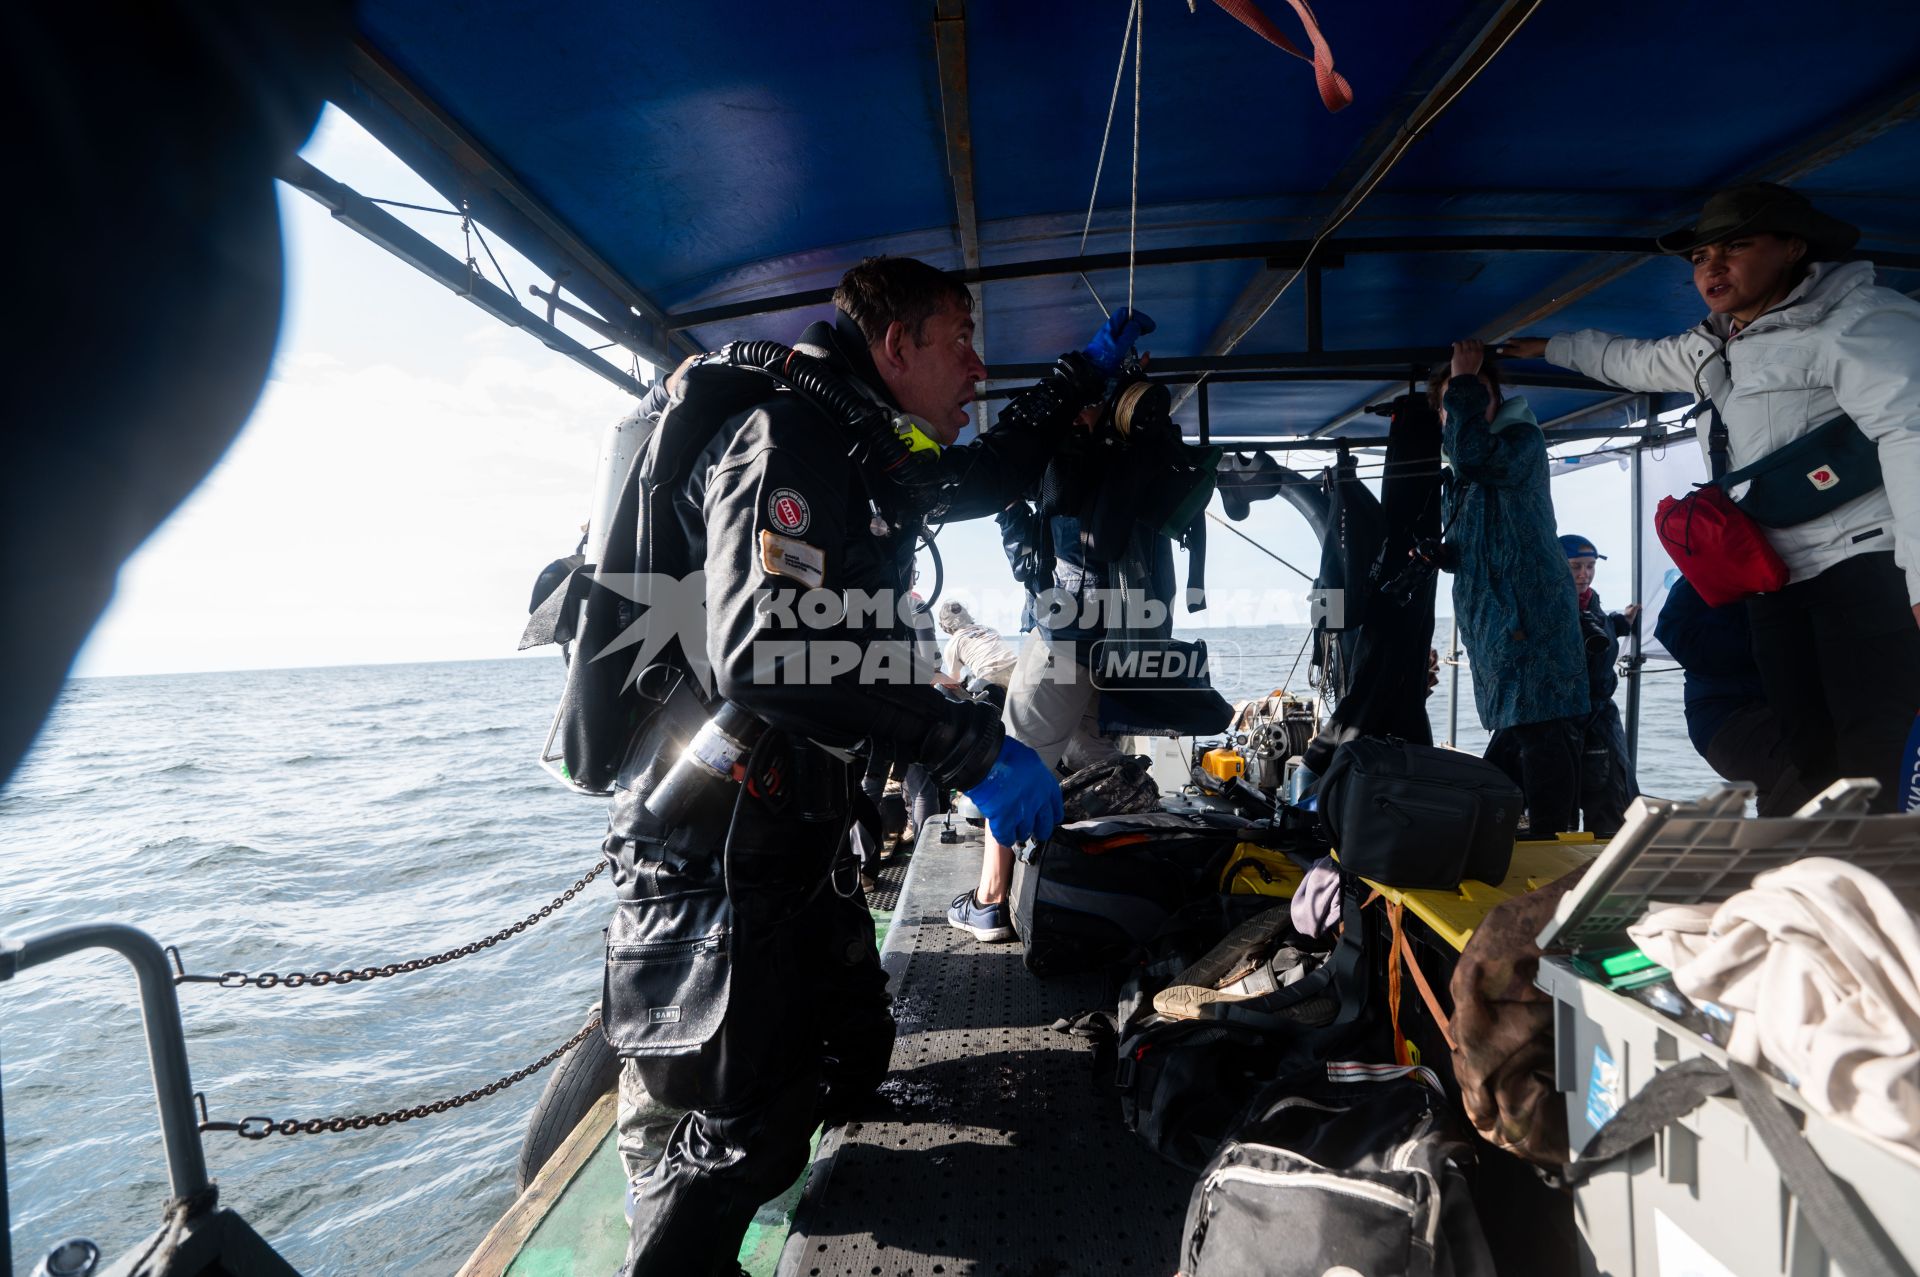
{"points": [[1511, 592]]}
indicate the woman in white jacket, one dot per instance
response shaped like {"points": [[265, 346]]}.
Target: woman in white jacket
{"points": [[1795, 337]]}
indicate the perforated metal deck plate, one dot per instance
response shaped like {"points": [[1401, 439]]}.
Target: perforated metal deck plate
{"points": [[988, 1150]]}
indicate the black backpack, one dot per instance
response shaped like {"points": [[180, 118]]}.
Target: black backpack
{"points": [[1097, 890], [1184, 1083], [1345, 1168], [1418, 816]]}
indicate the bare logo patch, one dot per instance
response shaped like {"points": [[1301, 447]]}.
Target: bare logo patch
{"points": [[1823, 478], [789, 511]]}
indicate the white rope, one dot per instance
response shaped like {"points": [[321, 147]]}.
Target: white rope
{"points": [[1126, 37], [1133, 204], [1113, 104]]}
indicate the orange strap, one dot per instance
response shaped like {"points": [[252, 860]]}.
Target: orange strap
{"points": [[1100, 846], [1402, 956], [1335, 93], [1426, 990], [1401, 1054]]}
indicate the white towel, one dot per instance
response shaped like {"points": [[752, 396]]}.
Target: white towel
{"points": [[1820, 965]]}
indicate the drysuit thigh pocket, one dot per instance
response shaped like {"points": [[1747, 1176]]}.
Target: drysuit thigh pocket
{"points": [[669, 974]]}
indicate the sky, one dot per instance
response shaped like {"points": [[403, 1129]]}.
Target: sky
{"points": [[413, 463]]}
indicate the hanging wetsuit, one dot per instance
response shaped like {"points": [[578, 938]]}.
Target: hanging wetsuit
{"points": [[1387, 686]]}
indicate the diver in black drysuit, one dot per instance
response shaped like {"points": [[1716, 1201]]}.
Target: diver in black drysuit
{"points": [[791, 1007]]}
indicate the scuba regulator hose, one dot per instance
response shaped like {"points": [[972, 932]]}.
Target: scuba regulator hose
{"points": [[874, 437]]}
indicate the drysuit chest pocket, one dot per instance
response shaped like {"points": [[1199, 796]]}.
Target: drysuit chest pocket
{"points": [[668, 974]]}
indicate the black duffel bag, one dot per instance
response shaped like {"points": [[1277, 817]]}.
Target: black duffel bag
{"points": [[1418, 816], [1097, 889], [1344, 1168]]}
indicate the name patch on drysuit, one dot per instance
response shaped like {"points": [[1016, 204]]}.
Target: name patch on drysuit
{"points": [[784, 556], [788, 511]]}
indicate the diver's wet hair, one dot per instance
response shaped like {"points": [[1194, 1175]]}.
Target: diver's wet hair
{"points": [[886, 290]]}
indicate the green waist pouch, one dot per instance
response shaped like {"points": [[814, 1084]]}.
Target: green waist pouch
{"points": [[1816, 474]]}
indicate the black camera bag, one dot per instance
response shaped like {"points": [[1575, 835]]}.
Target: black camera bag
{"points": [[1097, 889], [1418, 816]]}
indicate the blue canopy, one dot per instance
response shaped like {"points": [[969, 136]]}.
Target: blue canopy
{"points": [[695, 173]]}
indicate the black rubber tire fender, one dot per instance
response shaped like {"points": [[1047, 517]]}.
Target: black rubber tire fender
{"points": [[579, 1079]]}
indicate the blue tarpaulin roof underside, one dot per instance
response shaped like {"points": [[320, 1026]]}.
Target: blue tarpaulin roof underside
{"points": [[721, 155]]}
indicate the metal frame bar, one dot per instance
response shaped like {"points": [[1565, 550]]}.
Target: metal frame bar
{"points": [[507, 206], [166, 1039], [950, 50], [1276, 254], [356, 211], [1392, 364], [1284, 254], [1444, 73], [1306, 443], [1804, 157], [1635, 658]]}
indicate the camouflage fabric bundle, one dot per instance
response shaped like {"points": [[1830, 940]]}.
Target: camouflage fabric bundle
{"points": [[1113, 787], [1504, 1025]]}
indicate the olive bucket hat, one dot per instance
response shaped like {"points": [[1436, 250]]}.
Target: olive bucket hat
{"points": [[1763, 206]]}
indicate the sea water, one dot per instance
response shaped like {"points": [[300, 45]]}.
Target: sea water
{"points": [[300, 820]]}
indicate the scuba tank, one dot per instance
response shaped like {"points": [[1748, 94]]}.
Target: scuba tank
{"points": [[618, 448]]}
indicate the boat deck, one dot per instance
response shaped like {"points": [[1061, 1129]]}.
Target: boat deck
{"points": [[989, 1149]]}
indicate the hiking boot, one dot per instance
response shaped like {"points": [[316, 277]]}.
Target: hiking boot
{"points": [[989, 924]]}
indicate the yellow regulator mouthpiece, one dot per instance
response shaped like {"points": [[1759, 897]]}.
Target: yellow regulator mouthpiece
{"points": [[915, 433]]}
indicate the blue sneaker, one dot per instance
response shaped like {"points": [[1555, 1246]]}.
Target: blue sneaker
{"points": [[990, 924]]}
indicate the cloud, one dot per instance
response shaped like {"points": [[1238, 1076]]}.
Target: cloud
{"points": [[369, 514]]}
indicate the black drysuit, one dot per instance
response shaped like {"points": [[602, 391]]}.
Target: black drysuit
{"points": [[741, 968]]}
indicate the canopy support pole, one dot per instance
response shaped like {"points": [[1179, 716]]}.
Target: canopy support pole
{"points": [[434, 145], [355, 210], [1453, 686], [1635, 660]]}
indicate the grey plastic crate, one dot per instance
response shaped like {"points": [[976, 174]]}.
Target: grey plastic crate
{"points": [[1703, 1198], [1707, 850]]}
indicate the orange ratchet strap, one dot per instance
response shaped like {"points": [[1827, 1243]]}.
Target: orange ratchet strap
{"points": [[1335, 93]]}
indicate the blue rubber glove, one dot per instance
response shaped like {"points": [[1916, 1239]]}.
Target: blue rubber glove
{"points": [[1020, 797], [1116, 337]]}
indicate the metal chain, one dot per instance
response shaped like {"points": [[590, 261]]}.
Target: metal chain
{"points": [[258, 1128], [348, 975]]}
